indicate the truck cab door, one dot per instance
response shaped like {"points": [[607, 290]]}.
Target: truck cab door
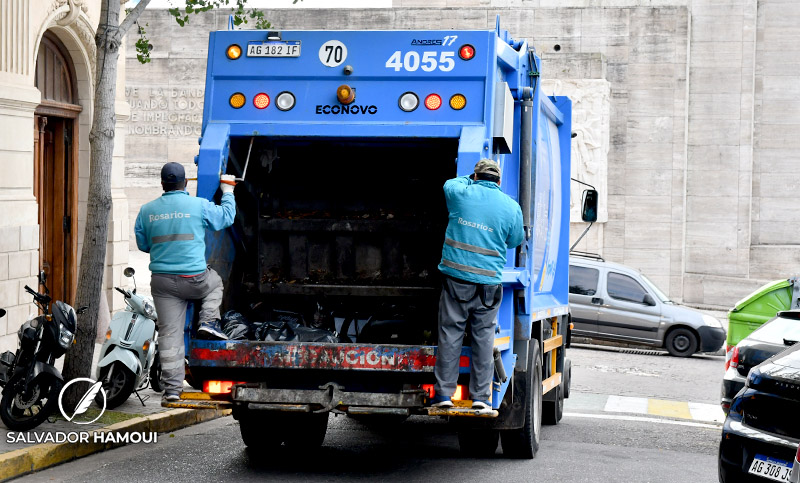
{"points": [[584, 302]]}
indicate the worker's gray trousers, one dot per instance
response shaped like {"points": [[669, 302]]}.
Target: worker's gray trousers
{"points": [[460, 303], [171, 294]]}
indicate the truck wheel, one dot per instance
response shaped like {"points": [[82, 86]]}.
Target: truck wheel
{"points": [[524, 442], [681, 342], [553, 411], [567, 377], [305, 431], [480, 442], [261, 429]]}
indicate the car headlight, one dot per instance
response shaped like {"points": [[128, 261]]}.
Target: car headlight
{"points": [[149, 310], [65, 336], [712, 321]]}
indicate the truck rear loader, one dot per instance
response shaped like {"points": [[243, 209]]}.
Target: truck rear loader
{"points": [[343, 141]]}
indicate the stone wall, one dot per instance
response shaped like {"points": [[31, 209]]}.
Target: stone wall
{"points": [[24, 23], [702, 120]]}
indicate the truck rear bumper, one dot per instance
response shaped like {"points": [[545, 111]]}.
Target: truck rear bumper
{"points": [[304, 355]]}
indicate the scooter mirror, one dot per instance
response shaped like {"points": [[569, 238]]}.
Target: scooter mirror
{"points": [[2, 312], [129, 271], [42, 277]]}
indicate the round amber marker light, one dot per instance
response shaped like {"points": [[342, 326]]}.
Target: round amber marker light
{"points": [[345, 94], [458, 102], [237, 100], [234, 52]]}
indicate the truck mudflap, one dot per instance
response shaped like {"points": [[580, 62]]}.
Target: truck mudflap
{"points": [[332, 396], [305, 355]]}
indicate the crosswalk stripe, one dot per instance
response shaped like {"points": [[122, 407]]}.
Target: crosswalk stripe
{"points": [[703, 412], [669, 409]]}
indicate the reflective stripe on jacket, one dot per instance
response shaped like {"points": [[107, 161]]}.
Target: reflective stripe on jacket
{"points": [[483, 224], [172, 230]]}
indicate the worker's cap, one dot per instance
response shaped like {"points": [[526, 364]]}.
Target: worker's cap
{"points": [[173, 173], [487, 166]]}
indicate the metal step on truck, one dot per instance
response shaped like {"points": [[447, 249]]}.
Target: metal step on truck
{"points": [[343, 141]]}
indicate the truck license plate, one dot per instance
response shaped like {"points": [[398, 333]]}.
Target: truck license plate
{"points": [[274, 48], [774, 469]]}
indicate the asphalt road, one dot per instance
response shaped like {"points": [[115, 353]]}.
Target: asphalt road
{"points": [[589, 445]]}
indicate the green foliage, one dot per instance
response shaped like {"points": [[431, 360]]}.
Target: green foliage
{"points": [[241, 15], [143, 46]]}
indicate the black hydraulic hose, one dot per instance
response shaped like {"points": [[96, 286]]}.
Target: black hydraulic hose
{"points": [[526, 163]]}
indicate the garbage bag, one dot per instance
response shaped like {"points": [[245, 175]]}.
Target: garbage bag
{"points": [[289, 331], [236, 326]]}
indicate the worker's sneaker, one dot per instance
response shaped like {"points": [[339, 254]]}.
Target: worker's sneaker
{"points": [[211, 331], [170, 397], [482, 407], [441, 402]]}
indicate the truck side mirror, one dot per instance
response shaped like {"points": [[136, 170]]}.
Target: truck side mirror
{"points": [[648, 300], [589, 209]]}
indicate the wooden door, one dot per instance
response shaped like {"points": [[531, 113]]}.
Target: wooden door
{"points": [[56, 167], [55, 187]]}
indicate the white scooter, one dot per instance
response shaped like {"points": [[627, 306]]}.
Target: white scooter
{"points": [[129, 356]]}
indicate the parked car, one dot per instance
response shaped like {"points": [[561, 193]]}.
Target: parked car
{"points": [[766, 341], [614, 302], [762, 431]]}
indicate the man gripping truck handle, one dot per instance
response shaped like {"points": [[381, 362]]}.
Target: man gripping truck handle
{"points": [[483, 224], [172, 230]]}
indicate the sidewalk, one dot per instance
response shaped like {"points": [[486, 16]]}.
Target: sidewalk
{"points": [[20, 454]]}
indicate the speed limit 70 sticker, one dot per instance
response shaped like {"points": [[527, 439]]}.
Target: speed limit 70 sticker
{"points": [[332, 53]]}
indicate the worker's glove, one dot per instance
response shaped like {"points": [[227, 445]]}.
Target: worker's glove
{"points": [[226, 183]]}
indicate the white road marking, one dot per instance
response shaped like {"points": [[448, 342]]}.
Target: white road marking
{"points": [[642, 420], [707, 412], [624, 404]]}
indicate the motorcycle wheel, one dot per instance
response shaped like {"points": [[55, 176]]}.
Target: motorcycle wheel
{"points": [[119, 387], [155, 375], [23, 410]]}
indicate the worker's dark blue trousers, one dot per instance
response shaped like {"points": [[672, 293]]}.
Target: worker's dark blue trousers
{"points": [[460, 303]]}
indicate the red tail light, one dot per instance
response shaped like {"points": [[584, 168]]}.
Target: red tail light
{"points": [[462, 393], [466, 52], [433, 102], [261, 101], [734, 360], [218, 387], [797, 456]]}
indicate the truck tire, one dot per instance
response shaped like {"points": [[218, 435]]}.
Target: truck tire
{"points": [[567, 377], [478, 442], [305, 431], [261, 429], [523, 443], [553, 411]]}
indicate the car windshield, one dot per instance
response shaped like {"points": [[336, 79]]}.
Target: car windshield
{"points": [[661, 296]]}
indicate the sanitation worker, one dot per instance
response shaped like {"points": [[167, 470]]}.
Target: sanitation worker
{"points": [[172, 230], [483, 224]]}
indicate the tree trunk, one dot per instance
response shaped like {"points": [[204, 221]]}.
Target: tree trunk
{"points": [[78, 362]]}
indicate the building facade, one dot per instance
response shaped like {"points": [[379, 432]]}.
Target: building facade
{"points": [[47, 71], [687, 120]]}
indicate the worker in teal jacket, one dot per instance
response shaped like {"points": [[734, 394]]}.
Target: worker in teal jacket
{"points": [[483, 224], [172, 230]]}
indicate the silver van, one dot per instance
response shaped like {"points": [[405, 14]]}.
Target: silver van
{"points": [[614, 302]]}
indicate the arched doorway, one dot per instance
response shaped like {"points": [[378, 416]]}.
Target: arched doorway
{"points": [[56, 166]]}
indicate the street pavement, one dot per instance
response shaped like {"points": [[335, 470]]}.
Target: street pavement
{"points": [[632, 416]]}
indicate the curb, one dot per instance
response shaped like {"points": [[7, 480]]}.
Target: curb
{"points": [[34, 458]]}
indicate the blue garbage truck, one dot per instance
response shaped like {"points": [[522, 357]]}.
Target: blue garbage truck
{"points": [[342, 142]]}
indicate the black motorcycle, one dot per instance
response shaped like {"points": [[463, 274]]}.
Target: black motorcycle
{"points": [[31, 382]]}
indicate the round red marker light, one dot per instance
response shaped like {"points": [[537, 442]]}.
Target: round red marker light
{"points": [[261, 101], [433, 102], [466, 52]]}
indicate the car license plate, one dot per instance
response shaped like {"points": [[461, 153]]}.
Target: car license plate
{"points": [[771, 468], [274, 48]]}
